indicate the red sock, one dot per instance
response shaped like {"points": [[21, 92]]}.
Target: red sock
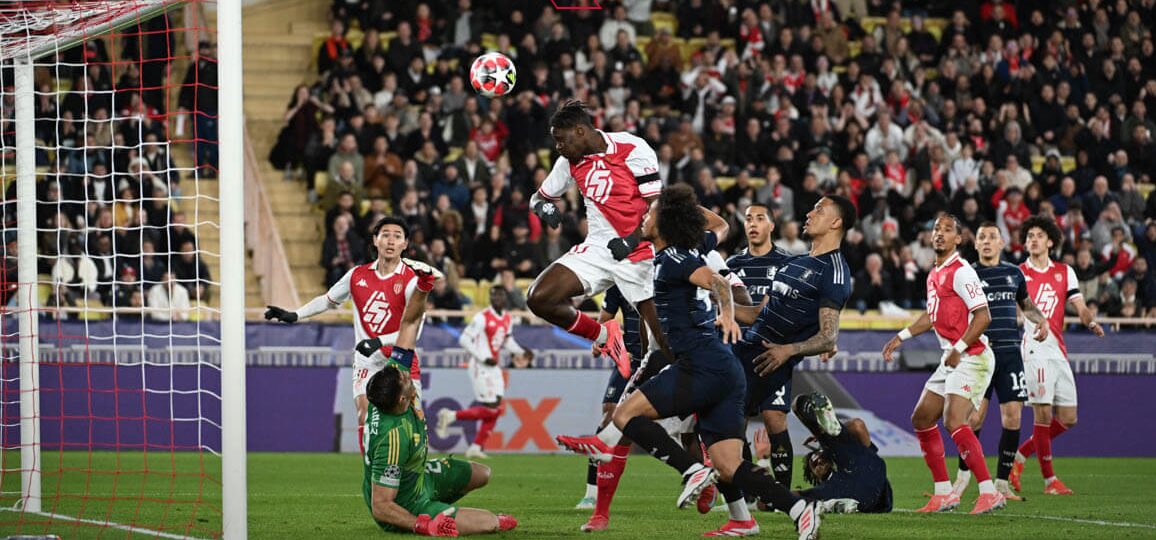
{"points": [[1043, 437], [971, 452], [932, 445], [485, 430], [1055, 430], [608, 476], [478, 412], [361, 438], [585, 327]]}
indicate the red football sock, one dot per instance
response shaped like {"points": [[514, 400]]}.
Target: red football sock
{"points": [[361, 438], [971, 452], [932, 445], [1055, 430], [584, 326], [478, 412], [485, 430], [609, 474], [1043, 437]]}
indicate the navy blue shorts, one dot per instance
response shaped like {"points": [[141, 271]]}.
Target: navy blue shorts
{"points": [[769, 393], [617, 383], [710, 384], [1008, 380], [869, 487]]}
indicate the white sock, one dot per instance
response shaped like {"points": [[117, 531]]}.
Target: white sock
{"points": [[602, 336], [797, 509], [610, 434], [1048, 481], [963, 476], [943, 488], [986, 487], [738, 510], [475, 447], [1020, 457], [1001, 485], [764, 463], [591, 491]]}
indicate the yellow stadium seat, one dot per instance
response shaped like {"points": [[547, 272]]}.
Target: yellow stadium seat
{"points": [[523, 284], [320, 180], [727, 43], [664, 20], [544, 158], [724, 182], [468, 288], [1038, 164], [454, 153], [1067, 163], [87, 315], [854, 48], [482, 295], [489, 41]]}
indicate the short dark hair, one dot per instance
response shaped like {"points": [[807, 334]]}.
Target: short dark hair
{"points": [[391, 220], [384, 388], [680, 222], [571, 114], [988, 223], [954, 219], [762, 204], [1046, 224], [847, 211]]}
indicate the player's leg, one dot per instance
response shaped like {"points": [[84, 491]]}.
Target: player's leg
{"points": [[925, 421], [1011, 417], [963, 476], [360, 402], [1064, 419], [588, 500], [549, 296], [964, 391], [733, 469], [774, 414]]}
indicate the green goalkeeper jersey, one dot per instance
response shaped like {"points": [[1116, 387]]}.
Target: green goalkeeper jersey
{"points": [[395, 456]]}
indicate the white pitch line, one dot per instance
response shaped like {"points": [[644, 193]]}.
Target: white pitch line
{"points": [[1126, 524], [109, 524]]}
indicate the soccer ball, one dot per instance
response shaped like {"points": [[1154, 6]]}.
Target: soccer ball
{"points": [[493, 74]]}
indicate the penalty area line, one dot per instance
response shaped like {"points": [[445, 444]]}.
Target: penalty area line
{"points": [[109, 524], [1126, 524]]}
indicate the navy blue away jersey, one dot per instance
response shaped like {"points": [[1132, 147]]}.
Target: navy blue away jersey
{"points": [[758, 271], [1005, 287], [684, 309], [614, 302], [802, 286]]}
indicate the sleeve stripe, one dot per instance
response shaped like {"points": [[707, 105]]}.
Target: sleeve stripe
{"points": [[547, 195], [652, 177]]}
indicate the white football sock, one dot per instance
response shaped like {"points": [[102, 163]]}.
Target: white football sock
{"points": [[610, 434], [591, 491], [738, 510], [943, 488], [602, 336], [964, 476], [986, 487]]}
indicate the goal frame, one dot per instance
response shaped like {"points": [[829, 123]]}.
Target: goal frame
{"points": [[234, 489]]}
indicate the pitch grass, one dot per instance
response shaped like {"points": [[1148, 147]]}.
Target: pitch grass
{"points": [[319, 496]]}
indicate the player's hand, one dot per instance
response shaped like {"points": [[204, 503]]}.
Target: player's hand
{"points": [[440, 525], [1095, 328], [274, 312], [548, 213], [889, 348], [426, 274], [772, 358], [621, 248], [829, 355], [367, 347], [951, 358], [731, 333], [1041, 332]]}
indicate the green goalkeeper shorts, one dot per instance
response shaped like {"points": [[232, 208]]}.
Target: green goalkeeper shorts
{"points": [[446, 480]]}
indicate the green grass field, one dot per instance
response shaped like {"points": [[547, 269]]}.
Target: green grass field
{"points": [[319, 496]]}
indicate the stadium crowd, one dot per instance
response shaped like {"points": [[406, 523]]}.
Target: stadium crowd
{"points": [[994, 111], [113, 228]]}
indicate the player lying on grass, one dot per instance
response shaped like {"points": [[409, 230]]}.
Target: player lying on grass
{"points": [[404, 490], [706, 378], [380, 291], [486, 337], [957, 311], [846, 471]]}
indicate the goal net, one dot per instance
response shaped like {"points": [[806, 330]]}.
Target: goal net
{"points": [[111, 405]]}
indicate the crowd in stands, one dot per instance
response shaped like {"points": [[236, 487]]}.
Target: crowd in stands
{"points": [[113, 228], [993, 110]]}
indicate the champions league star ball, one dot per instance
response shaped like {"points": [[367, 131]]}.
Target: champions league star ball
{"points": [[493, 74]]}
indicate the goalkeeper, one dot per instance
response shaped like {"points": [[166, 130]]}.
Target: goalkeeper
{"points": [[403, 489], [846, 471]]}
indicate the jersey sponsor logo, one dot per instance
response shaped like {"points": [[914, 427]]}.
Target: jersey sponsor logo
{"points": [[785, 290], [599, 183], [377, 312], [973, 290], [1047, 300], [1001, 296]]}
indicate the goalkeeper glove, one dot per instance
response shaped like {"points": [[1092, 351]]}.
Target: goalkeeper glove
{"points": [[426, 274], [274, 312], [367, 347], [548, 213], [439, 525], [621, 248]]}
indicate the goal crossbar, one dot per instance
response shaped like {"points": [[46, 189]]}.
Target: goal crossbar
{"points": [[28, 33]]}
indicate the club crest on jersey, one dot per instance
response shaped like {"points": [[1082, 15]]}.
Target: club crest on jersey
{"points": [[397, 288], [772, 271], [1010, 282], [806, 274], [1057, 276]]}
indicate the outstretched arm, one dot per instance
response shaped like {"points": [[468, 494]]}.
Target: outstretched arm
{"points": [[921, 325], [823, 341]]}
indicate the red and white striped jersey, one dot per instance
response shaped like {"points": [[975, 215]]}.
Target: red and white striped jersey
{"points": [[613, 185], [954, 292], [1051, 288], [488, 334]]}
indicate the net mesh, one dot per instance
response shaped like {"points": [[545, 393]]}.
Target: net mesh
{"points": [[127, 258]]}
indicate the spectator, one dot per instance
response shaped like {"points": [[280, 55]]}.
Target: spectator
{"points": [[198, 97], [790, 241], [383, 167], [192, 272], [168, 300], [608, 34], [885, 136], [347, 152], [445, 297], [333, 48], [871, 284], [517, 297], [452, 185]]}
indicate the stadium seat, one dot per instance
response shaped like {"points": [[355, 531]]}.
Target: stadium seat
{"points": [[482, 295], [469, 289], [664, 20], [490, 42], [523, 284], [544, 158]]}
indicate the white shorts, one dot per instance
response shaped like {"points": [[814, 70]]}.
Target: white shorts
{"points": [[361, 375], [597, 271], [489, 382], [969, 379], [1050, 381]]}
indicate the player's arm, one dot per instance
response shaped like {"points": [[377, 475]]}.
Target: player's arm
{"points": [[823, 341], [334, 297], [967, 286], [708, 279], [715, 224], [406, 340], [1032, 313], [858, 428], [555, 185], [921, 325], [1087, 318]]}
